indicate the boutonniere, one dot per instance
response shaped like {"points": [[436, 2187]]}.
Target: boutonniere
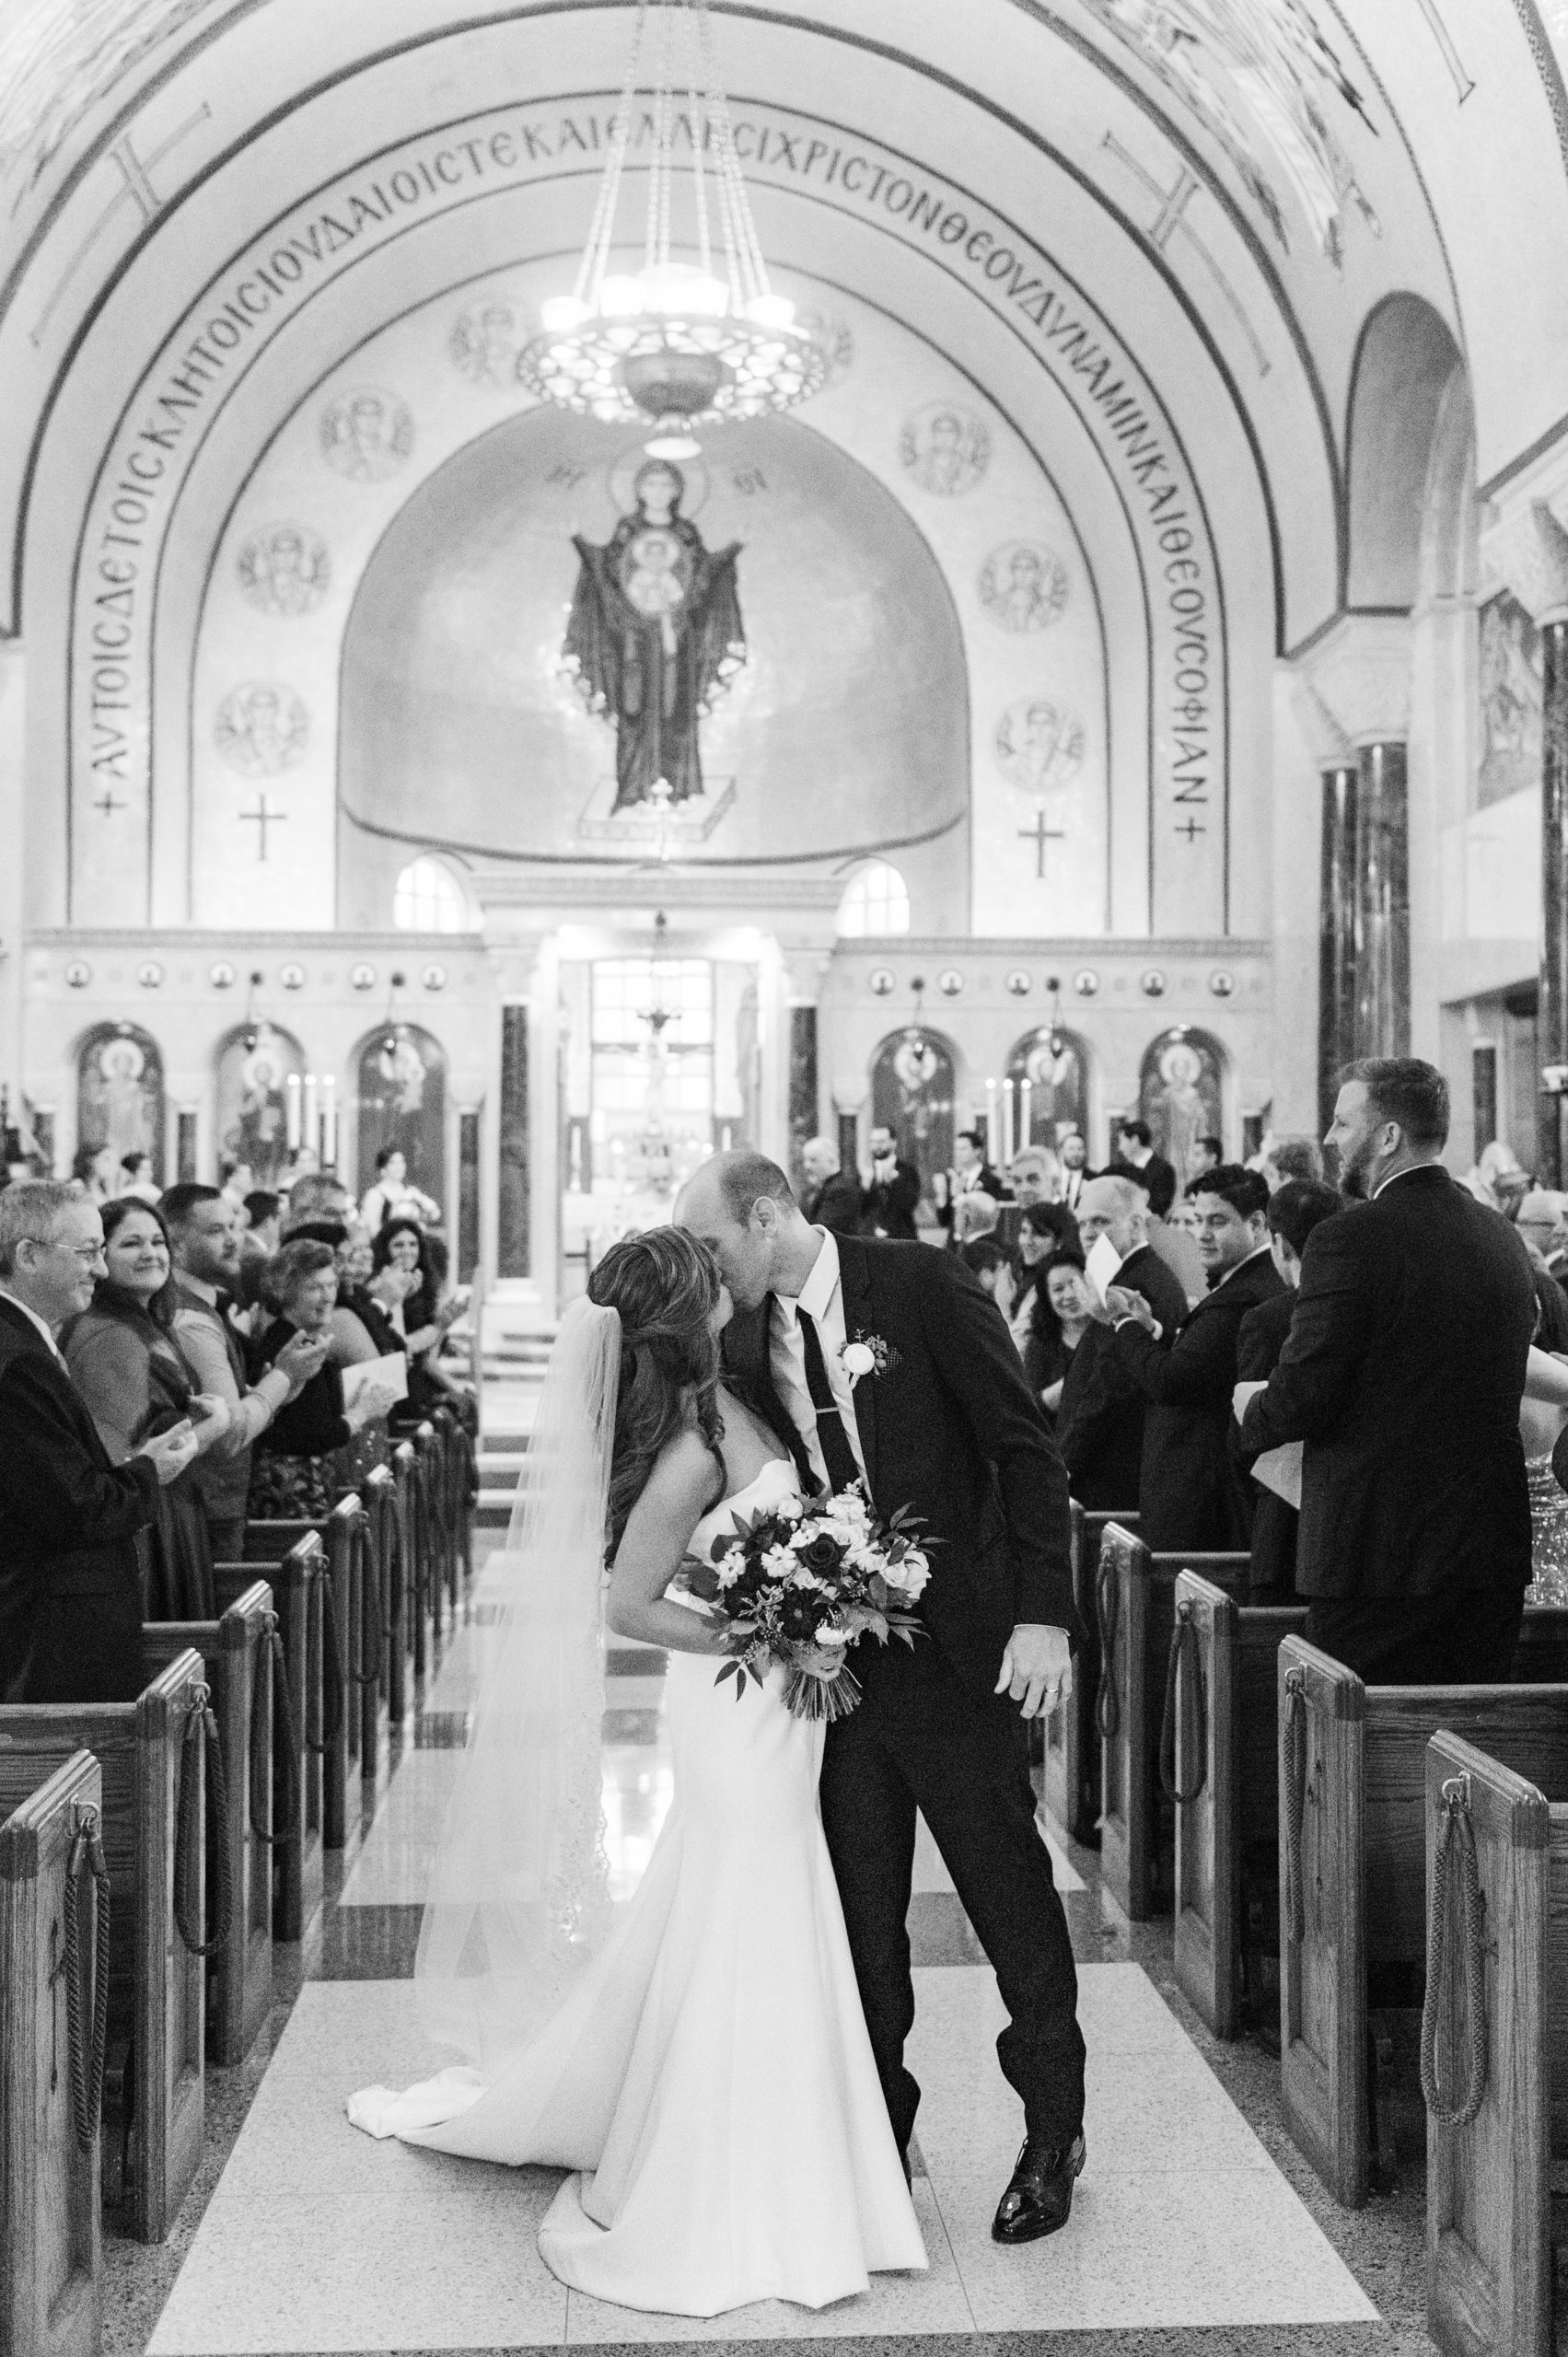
{"points": [[866, 1355]]}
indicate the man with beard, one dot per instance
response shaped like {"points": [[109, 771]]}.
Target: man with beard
{"points": [[1402, 1374]]}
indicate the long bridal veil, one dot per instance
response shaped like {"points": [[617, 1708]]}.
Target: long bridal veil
{"points": [[519, 1899]]}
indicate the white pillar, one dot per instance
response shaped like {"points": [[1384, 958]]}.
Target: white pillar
{"points": [[13, 864]]}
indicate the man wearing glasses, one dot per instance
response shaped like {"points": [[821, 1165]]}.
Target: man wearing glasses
{"points": [[70, 1578]]}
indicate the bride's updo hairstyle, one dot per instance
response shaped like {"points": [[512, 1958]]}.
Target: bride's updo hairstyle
{"points": [[664, 1287]]}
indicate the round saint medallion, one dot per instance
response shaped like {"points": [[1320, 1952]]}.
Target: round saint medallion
{"points": [[1018, 982], [945, 448], [882, 981], [150, 974], [78, 975], [1222, 982], [950, 982], [285, 570], [262, 728], [434, 977], [1085, 981], [366, 434], [222, 975], [1040, 744], [1151, 981], [363, 977], [1024, 586], [482, 345], [292, 977]]}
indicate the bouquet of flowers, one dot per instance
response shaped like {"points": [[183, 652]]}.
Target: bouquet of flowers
{"points": [[800, 1583]]}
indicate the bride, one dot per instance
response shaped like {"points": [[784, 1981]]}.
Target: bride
{"points": [[698, 2059]]}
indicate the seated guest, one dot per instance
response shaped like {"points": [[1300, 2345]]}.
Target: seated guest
{"points": [[1404, 1369], [70, 1572], [129, 1368], [315, 1195], [206, 1262], [1074, 1157], [1294, 1210], [136, 1178], [1544, 1229], [889, 1202], [971, 1174], [1061, 1316], [1032, 1175], [1190, 1493], [296, 1471], [832, 1194], [419, 1318], [259, 1240], [1099, 1423], [393, 1196], [1136, 1158], [358, 1330], [994, 1264], [1044, 1230]]}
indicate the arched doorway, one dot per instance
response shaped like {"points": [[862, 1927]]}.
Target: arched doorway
{"points": [[254, 1065], [1054, 1064], [912, 1094], [1181, 1093], [119, 1092], [401, 1079]]}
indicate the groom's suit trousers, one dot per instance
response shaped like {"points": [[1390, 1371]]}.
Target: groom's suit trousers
{"points": [[923, 1740]]}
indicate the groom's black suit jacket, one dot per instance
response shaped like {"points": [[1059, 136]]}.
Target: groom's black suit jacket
{"points": [[953, 1430]]}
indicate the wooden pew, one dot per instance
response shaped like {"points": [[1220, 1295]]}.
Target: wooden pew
{"points": [[51, 2067], [1072, 1740], [238, 1651], [387, 1564], [1135, 1611], [1219, 1723], [333, 1739], [156, 1986], [1495, 2134], [297, 1584], [462, 1488], [1351, 1781]]}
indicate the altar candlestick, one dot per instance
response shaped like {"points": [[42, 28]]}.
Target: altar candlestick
{"points": [[1026, 1115], [292, 1095], [329, 1121], [312, 1135], [990, 1119]]}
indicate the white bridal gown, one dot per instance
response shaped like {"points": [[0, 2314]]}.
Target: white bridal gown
{"points": [[710, 2081]]}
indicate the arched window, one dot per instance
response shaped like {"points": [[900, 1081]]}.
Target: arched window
{"points": [[429, 899], [876, 900]]}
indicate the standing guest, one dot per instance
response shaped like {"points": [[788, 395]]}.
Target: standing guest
{"points": [[1100, 1425], [358, 1330], [206, 1265], [315, 1195], [70, 1576], [1044, 1230], [129, 1368], [421, 1319], [1136, 1158], [1074, 1157], [236, 1180], [95, 1171], [259, 1240], [1063, 1315], [834, 1197], [296, 1471], [393, 1196], [1033, 1176], [1495, 1174], [1190, 1493], [1207, 1155], [894, 1192], [1402, 1374], [136, 1178], [1294, 1210], [1286, 1159], [974, 1215], [972, 1175]]}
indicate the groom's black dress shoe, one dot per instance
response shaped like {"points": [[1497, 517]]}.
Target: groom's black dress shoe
{"points": [[1039, 2197]]}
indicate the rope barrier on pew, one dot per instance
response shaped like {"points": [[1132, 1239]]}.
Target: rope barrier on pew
{"points": [[1108, 1607], [372, 1622], [272, 1647], [1458, 1832], [1296, 1802], [1183, 1639], [87, 2076], [332, 1707], [202, 1727]]}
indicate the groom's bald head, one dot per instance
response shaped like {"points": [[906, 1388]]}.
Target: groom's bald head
{"points": [[743, 1208]]}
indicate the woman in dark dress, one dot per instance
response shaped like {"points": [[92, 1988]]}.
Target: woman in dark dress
{"points": [[1060, 1320], [128, 1367], [306, 1459], [405, 1286]]}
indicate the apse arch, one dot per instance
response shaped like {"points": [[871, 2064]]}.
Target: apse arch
{"points": [[1406, 360]]}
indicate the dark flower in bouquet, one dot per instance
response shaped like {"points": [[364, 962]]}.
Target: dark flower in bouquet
{"points": [[800, 1585]]}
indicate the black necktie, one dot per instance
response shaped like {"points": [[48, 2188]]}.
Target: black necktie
{"points": [[837, 1453]]}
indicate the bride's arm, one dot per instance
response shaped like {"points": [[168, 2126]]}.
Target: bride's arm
{"points": [[1547, 1378], [653, 1546]]}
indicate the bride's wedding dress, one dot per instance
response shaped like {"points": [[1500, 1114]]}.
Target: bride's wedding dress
{"points": [[709, 2080]]}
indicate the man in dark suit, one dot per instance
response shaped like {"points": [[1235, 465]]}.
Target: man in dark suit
{"points": [[70, 1580], [1136, 1158], [1294, 1210], [947, 1426], [889, 1202], [1190, 1493], [1073, 1156], [834, 1198], [1403, 1376], [1100, 1426], [971, 1174]]}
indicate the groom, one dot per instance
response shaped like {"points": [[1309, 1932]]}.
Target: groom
{"points": [[945, 1423]]}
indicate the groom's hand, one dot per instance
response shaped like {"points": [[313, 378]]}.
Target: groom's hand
{"points": [[1037, 1669]]}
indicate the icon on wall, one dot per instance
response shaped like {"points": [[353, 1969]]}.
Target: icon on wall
{"points": [[1222, 982], [1085, 981], [434, 977], [292, 977], [222, 975], [1024, 586], [882, 981], [78, 975], [150, 974], [285, 570], [363, 978], [950, 982], [261, 728], [366, 435], [484, 344], [1018, 982], [945, 449], [1151, 981], [1040, 744], [836, 338]]}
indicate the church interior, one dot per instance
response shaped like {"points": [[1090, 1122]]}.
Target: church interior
{"points": [[1106, 589]]}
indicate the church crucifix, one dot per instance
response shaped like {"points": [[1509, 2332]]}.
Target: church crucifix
{"points": [[261, 817], [1040, 834]]}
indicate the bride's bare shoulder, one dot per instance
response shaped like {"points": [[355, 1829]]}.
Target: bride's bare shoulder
{"points": [[685, 1463]]}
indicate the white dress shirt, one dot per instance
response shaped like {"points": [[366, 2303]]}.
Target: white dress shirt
{"points": [[822, 1298]]}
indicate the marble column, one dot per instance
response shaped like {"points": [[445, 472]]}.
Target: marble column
{"points": [[13, 869], [1336, 935], [1551, 1016], [514, 1258], [1383, 901], [803, 1084]]}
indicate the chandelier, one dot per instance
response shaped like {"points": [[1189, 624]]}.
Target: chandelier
{"points": [[676, 345]]}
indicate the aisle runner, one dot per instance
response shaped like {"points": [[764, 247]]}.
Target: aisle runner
{"points": [[319, 2238]]}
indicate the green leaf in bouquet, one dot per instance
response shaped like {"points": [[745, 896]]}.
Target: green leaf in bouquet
{"points": [[703, 1583]]}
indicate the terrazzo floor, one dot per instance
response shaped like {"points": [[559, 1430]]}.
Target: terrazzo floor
{"points": [[1196, 2226]]}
